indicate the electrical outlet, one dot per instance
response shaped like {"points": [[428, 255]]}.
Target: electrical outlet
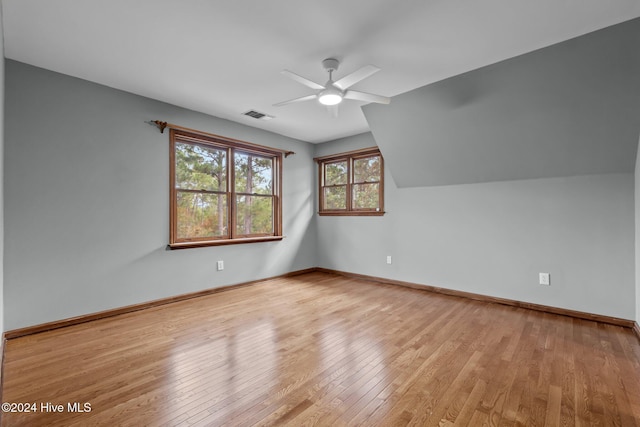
{"points": [[388, 259], [544, 279], [220, 265]]}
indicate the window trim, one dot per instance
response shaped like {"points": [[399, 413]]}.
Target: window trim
{"points": [[231, 146], [349, 157]]}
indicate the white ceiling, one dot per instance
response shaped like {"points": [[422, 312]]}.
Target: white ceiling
{"points": [[224, 57]]}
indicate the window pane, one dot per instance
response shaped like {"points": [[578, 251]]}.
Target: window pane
{"points": [[335, 197], [335, 173], [200, 168], [366, 196], [201, 215], [366, 169], [254, 215], [253, 174]]}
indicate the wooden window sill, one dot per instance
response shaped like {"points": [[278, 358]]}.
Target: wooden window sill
{"points": [[220, 242], [351, 213]]}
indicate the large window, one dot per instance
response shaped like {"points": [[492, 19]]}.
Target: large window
{"points": [[223, 191], [351, 183]]}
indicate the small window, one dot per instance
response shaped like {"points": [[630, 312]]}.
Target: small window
{"points": [[351, 183], [223, 191]]}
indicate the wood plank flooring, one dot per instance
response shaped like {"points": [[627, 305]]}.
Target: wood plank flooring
{"points": [[320, 349]]}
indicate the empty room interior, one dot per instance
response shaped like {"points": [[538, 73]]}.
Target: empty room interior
{"points": [[320, 213]]}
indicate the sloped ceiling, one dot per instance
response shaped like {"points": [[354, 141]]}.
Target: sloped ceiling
{"points": [[224, 57], [569, 109]]}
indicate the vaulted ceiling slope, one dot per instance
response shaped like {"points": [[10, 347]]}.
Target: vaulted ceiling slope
{"points": [[225, 57], [569, 109]]}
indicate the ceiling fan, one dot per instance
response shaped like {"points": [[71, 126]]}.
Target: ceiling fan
{"points": [[333, 93]]}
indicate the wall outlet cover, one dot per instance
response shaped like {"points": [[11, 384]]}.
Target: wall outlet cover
{"points": [[544, 279]]}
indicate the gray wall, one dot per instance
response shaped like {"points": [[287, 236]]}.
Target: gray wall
{"points": [[521, 167], [86, 212], [2, 85], [637, 234], [494, 238], [87, 217]]}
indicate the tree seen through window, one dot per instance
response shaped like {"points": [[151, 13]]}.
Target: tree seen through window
{"points": [[222, 192], [351, 183]]}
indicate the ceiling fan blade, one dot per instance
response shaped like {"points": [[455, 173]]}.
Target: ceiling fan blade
{"points": [[303, 80], [353, 78], [366, 97], [292, 101]]}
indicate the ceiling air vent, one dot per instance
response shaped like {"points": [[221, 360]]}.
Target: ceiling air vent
{"points": [[257, 115]]}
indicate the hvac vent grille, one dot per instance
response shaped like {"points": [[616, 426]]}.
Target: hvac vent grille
{"points": [[257, 115]]}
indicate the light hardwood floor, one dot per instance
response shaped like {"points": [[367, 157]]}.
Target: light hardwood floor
{"points": [[327, 350]]}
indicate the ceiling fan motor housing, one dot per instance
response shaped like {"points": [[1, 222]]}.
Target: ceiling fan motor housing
{"points": [[331, 95], [331, 64]]}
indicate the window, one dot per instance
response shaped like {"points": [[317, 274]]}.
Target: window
{"points": [[351, 183], [223, 191]]}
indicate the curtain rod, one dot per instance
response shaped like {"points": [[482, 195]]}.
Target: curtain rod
{"points": [[163, 125]]}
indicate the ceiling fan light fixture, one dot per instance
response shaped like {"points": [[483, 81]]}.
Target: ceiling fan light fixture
{"points": [[330, 97], [333, 93]]}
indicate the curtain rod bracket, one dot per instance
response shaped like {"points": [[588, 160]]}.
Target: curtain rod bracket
{"points": [[161, 125]]}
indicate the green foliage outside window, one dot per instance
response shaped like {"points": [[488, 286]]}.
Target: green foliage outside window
{"points": [[335, 185], [351, 183], [207, 202], [366, 177], [198, 168], [254, 186]]}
